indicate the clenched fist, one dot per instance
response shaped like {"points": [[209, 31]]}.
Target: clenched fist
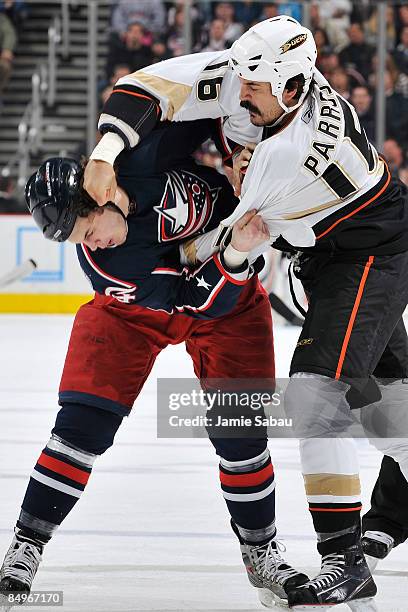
{"points": [[100, 181]]}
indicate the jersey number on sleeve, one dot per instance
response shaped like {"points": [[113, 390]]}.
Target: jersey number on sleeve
{"points": [[209, 89]]}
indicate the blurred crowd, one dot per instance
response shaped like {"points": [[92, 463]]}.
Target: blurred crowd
{"points": [[12, 13], [148, 31]]}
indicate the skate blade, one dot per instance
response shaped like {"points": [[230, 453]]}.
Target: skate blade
{"points": [[372, 562], [308, 607], [271, 600], [363, 605], [357, 605]]}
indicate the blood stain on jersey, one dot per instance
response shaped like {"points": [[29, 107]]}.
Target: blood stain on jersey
{"points": [[186, 206], [293, 43]]}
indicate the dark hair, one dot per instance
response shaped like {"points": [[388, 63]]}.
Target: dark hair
{"points": [[135, 22], [362, 86], [297, 82], [84, 204]]}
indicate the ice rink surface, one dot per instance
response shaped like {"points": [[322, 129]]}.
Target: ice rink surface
{"points": [[151, 531]]}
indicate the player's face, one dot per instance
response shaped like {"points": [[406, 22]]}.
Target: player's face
{"points": [[257, 98], [101, 229]]}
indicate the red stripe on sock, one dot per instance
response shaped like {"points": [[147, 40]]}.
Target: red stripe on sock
{"points": [[247, 480], [64, 469], [355, 509]]}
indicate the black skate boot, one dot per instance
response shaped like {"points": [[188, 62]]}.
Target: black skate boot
{"points": [[268, 572], [344, 578], [19, 568], [376, 545]]}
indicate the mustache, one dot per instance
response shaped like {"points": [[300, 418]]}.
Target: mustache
{"points": [[250, 107]]}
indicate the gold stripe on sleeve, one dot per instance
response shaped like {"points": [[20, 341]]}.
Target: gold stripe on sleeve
{"points": [[176, 93]]}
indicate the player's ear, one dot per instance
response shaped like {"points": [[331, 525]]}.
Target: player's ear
{"points": [[288, 96]]}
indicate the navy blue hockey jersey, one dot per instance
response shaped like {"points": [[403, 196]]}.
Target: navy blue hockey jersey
{"points": [[172, 206]]}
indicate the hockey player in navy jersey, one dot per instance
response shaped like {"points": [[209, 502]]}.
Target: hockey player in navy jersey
{"points": [[134, 251], [326, 194]]}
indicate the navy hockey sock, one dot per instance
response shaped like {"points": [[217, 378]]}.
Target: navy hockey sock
{"points": [[81, 433], [248, 486]]}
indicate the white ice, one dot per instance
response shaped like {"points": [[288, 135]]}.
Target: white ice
{"points": [[151, 531]]}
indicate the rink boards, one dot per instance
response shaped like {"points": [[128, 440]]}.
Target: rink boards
{"points": [[56, 285]]}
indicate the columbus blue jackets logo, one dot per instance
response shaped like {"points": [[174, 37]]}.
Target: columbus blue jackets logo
{"points": [[186, 206]]}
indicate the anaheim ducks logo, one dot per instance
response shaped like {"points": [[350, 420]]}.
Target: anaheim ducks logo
{"points": [[293, 43]]}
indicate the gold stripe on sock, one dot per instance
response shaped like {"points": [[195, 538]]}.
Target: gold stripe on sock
{"points": [[332, 484]]}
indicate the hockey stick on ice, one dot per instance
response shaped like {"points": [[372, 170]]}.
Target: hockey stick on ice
{"points": [[280, 307], [18, 272]]}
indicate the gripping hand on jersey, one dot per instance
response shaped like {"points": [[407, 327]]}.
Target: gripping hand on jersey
{"points": [[100, 181], [239, 166], [248, 232]]}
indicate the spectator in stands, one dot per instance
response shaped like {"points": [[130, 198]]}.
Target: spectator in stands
{"points": [[248, 12], [371, 28], [314, 17], [175, 39], [322, 45], [175, 36], [401, 52], [131, 51], [16, 11], [194, 14], [160, 50], [328, 63], [119, 71], [216, 37], [402, 19], [357, 54], [8, 40], [396, 109], [150, 13], [9, 203], [400, 79], [394, 155], [334, 17], [361, 99], [269, 10], [233, 30], [340, 81]]}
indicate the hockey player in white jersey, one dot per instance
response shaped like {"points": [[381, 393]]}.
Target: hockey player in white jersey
{"points": [[325, 193]]}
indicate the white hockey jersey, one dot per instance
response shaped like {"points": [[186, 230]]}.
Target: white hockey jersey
{"points": [[317, 164], [197, 86]]}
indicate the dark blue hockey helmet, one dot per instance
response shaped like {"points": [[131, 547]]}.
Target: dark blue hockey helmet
{"points": [[51, 193]]}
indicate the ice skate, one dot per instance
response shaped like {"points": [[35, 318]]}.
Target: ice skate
{"points": [[19, 568], [269, 572], [344, 578], [376, 546]]}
